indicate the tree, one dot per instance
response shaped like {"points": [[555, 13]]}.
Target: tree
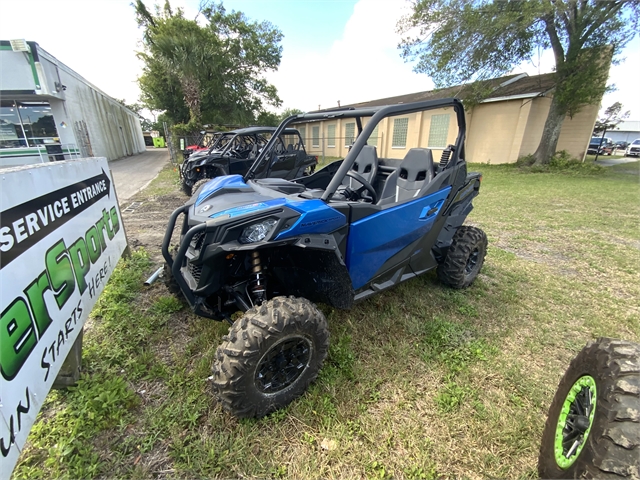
{"points": [[137, 108], [289, 112], [612, 117], [459, 41], [211, 73], [269, 119]]}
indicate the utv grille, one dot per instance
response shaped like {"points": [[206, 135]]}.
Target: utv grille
{"points": [[195, 271], [197, 240]]}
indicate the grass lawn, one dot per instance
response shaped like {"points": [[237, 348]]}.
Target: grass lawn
{"points": [[421, 381]]}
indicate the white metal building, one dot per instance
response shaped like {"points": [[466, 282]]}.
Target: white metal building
{"points": [[627, 131], [49, 112]]}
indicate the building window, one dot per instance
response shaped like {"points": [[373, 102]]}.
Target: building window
{"points": [[331, 136], [400, 127], [303, 133], [438, 131], [349, 134], [373, 138], [26, 124], [315, 137]]}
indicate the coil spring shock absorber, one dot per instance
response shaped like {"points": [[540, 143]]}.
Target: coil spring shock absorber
{"points": [[259, 287], [444, 158]]}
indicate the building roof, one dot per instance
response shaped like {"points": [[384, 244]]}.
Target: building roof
{"points": [[628, 126], [519, 85]]}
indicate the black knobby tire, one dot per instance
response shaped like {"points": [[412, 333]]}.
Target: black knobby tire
{"points": [[270, 356], [169, 280], [612, 445], [186, 189], [198, 184], [464, 258]]}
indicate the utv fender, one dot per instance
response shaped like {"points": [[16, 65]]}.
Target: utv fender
{"points": [[313, 268], [456, 213]]}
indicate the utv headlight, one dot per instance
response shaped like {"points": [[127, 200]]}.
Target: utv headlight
{"points": [[257, 231]]}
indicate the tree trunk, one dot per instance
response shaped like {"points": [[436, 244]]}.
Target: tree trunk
{"points": [[191, 90], [550, 134]]}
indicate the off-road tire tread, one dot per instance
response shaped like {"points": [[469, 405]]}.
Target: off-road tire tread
{"points": [[169, 280], [186, 189], [249, 337], [613, 447], [452, 270], [199, 183]]}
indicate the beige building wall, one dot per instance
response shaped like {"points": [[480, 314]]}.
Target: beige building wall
{"points": [[535, 124], [497, 132], [576, 132]]}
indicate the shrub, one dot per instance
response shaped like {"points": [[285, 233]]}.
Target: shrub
{"points": [[561, 162]]}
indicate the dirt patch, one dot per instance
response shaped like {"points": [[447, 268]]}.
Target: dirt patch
{"points": [[145, 220]]}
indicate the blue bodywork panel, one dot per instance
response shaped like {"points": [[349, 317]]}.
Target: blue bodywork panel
{"points": [[252, 207], [227, 181], [315, 217], [376, 238]]}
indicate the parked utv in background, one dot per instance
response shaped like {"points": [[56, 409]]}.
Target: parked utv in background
{"points": [[270, 247], [235, 151], [202, 143]]}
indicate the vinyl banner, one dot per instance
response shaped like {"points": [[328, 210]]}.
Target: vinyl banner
{"points": [[61, 236]]}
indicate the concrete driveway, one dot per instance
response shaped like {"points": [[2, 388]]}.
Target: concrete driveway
{"points": [[608, 161], [132, 174]]}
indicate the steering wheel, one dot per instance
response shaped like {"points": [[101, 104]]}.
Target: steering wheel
{"points": [[365, 186]]}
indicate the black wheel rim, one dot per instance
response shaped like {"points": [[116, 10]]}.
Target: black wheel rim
{"points": [[283, 364], [472, 261]]}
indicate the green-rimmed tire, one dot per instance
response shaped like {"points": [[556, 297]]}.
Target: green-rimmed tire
{"points": [[593, 426]]}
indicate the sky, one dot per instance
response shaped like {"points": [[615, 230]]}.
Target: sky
{"points": [[333, 50]]}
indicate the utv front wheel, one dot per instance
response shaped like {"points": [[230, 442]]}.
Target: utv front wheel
{"points": [[186, 189], [270, 356], [593, 426], [198, 184], [465, 257], [169, 280]]}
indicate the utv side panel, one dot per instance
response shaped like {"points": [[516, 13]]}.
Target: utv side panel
{"points": [[377, 237]]}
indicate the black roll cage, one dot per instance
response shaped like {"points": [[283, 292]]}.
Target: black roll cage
{"points": [[376, 114]]}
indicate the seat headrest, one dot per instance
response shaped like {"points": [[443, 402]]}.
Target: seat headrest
{"points": [[417, 165]]}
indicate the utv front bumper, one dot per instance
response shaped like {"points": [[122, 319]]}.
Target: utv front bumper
{"points": [[178, 263]]}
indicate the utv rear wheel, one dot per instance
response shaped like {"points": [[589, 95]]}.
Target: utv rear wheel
{"points": [[270, 356], [593, 426], [465, 257]]}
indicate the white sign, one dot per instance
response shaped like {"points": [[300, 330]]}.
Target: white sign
{"points": [[61, 236]]}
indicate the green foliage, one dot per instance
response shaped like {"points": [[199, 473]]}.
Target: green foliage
{"points": [[207, 72], [288, 112], [95, 405], [457, 42], [186, 129], [562, 162], [613, 115], [452, 396], [268, 119]]}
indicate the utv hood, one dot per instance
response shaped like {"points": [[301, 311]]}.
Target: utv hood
{"points": [[230, 199]]}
